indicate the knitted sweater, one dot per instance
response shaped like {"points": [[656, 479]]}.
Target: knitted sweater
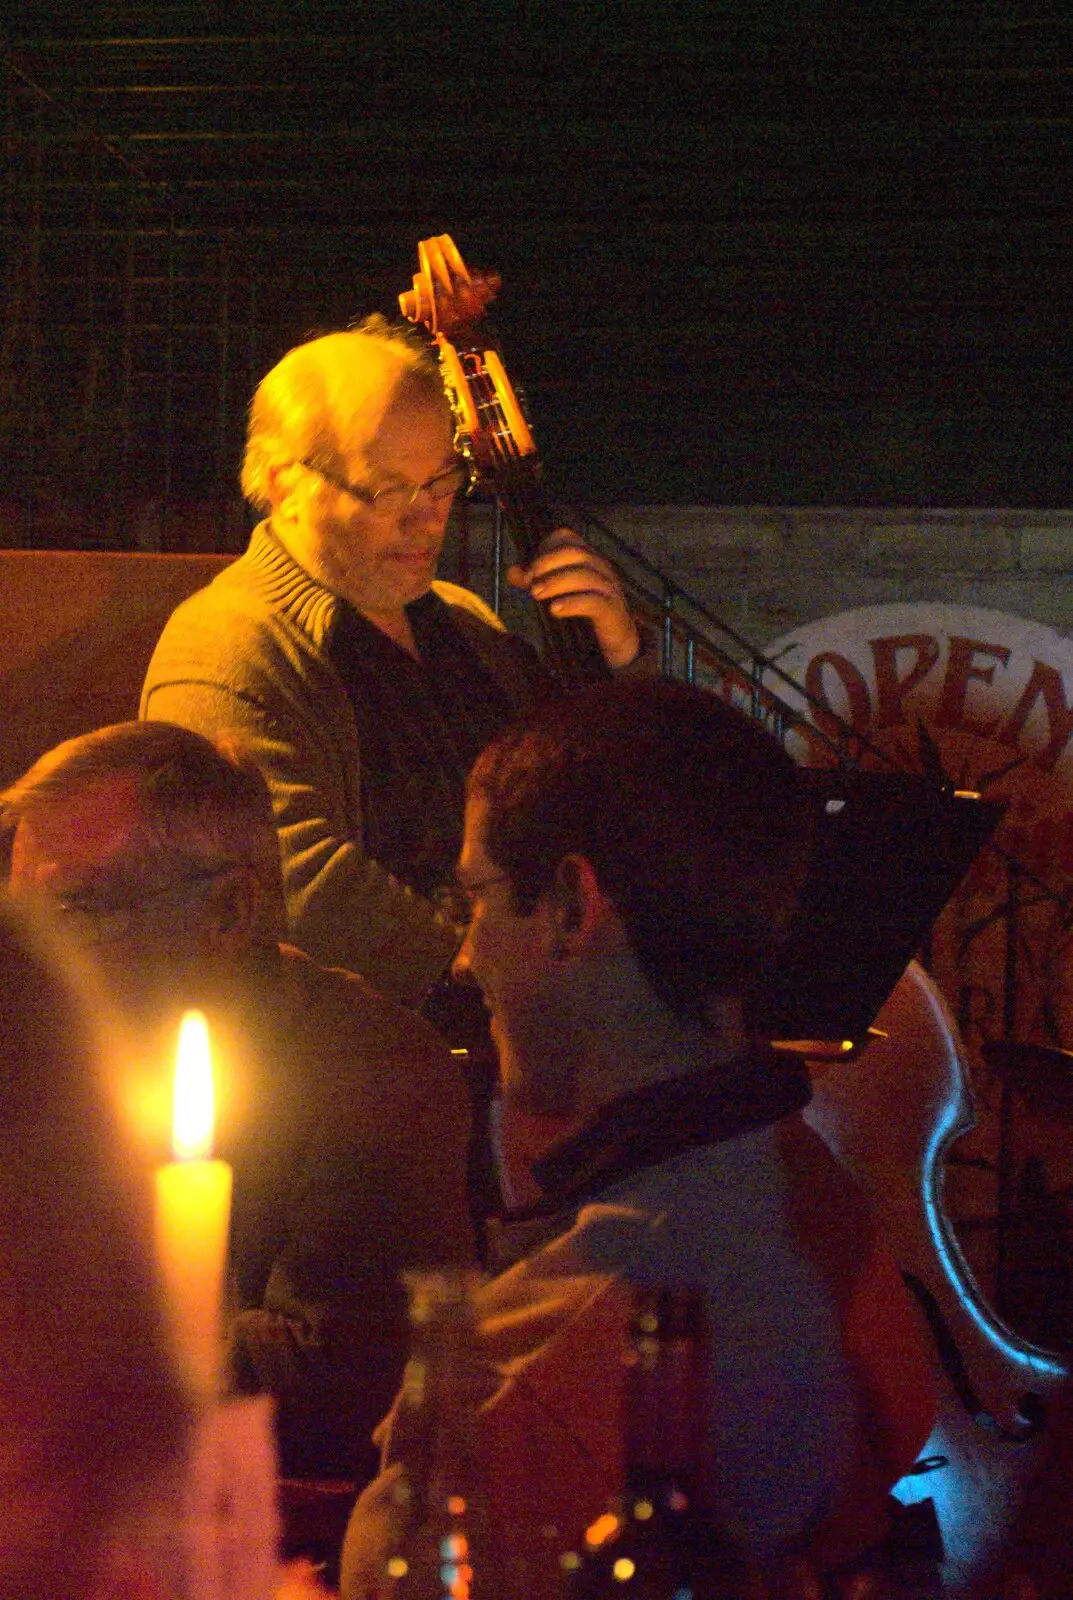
{"points": [[248, 658]]}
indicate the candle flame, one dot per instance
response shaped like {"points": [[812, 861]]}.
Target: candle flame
{"points": [[193, 1103]]}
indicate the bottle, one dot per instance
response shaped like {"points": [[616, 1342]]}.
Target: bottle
{"points": [[445, 1549], [660, 1540]]}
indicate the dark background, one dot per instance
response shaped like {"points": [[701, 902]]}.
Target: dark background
{"points": [[764, 254]]}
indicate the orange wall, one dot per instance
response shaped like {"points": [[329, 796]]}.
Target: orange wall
{"points": [[76, 632]]}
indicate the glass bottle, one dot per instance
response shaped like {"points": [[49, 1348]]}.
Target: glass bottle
{"points": [[660, 1541], [445, 1550]]}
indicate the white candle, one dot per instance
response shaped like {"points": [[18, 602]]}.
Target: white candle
{"points": [[193, 1212]]}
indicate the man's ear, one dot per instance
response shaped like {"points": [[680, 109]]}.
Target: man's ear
{"points": [[582, 914], [276, 485], [232, 911], [283, 483]]}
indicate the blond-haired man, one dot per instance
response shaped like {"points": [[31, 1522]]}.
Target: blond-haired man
{"points": [[363, 687]]}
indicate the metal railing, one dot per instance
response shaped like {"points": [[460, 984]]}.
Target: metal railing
{"points": [[694, 644]]}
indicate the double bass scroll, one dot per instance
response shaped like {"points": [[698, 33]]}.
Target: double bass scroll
{"points": [[450, 301]]}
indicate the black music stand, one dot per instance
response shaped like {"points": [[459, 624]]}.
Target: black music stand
{"points": [[891, 850]]}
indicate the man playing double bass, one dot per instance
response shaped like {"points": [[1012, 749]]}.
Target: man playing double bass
{"points": [[363, 687]]}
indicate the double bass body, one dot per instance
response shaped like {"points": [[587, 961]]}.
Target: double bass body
{"points": [[890, 1115]]}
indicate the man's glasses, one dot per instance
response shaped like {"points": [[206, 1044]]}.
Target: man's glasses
{"points": [[399, 498], [468, 894], [97, 916]]}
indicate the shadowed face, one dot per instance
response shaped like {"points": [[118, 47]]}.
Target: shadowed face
{"points": [[140, 914], [513, 958]]}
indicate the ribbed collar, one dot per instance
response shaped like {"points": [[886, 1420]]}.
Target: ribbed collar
{"points": [[285, 586]]}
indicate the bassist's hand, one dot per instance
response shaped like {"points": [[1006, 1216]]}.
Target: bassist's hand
{"points": [[575, 581]]}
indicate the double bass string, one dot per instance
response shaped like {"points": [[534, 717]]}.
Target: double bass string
{"points": [[500, 446], [570, 648], [570, 642]]}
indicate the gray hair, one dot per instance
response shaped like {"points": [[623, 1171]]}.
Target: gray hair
{"points": [[202, 804]]}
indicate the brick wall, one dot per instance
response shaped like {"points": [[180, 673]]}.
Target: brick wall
{"points": [[765, 571]]}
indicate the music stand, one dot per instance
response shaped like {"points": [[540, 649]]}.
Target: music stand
{"points": [[890, 851]]}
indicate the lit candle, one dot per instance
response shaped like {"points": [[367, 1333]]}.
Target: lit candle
{"points": [[193, 1210]]}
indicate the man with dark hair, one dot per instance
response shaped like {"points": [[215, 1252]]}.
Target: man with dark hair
{"points": [[342, 1112], [634, 786], [632, 860]]}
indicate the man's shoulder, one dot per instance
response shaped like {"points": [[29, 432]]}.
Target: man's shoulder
{"points": [[354, 1031], [338, 994], [213, 626], [767, 1204], [680, 1219], [260, 617]]}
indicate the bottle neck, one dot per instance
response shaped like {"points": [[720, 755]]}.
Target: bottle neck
{"points": [[666, 1392]]}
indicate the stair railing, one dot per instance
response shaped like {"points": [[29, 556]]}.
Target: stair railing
{"points": [[698, 647]]}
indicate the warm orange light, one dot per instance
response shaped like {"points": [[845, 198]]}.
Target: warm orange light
{"points": [[598, 1532], [192, 1215], [193, 1104]]}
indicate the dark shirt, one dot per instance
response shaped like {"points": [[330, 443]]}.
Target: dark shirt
{"points": [[421, 725], [345, 1120]]}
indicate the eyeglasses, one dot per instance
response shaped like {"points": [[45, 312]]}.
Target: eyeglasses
{"points": [[389, 502], [470, 893], [100, 916]]}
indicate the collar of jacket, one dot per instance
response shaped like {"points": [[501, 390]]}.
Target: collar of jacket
{"points": [[663, 1119]]}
